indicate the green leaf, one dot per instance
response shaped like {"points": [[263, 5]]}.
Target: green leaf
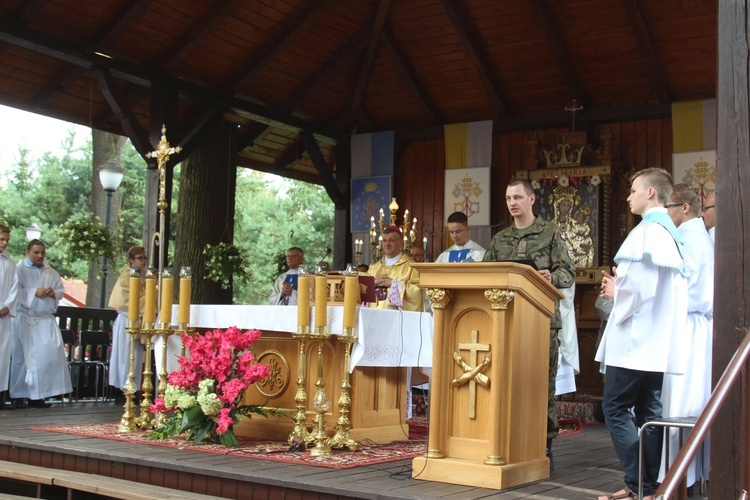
{"points": [[191, 418], [228, 438]]}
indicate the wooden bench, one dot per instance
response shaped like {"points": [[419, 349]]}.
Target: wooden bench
{"points": [[92, 483]]}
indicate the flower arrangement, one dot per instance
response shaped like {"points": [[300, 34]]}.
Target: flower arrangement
{"points": [[204, 397], [566, 181], [226, 261], [84, 239]]}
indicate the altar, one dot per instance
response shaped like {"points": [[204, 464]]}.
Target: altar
{"points": [[388, 342]]}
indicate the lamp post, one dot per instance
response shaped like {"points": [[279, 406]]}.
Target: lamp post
{"points": [[33, 232], [110, 176]]}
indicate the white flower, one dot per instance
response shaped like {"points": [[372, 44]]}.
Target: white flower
{"points": [[563, 181], [595, 180], [535, 184]]}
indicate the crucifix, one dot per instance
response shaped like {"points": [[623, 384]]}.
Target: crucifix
{"points": [[574, 106], [471, 370]]}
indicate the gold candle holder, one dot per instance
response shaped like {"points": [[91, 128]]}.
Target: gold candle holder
{"points": [[342, 439], [321, 300], [128, 419], [300, 398], [321, 403], [145, 419]]}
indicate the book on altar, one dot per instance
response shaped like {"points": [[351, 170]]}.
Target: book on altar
{"points": [[367, 288]]}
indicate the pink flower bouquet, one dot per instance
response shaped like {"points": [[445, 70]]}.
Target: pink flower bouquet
{"points": [[204, 397]]}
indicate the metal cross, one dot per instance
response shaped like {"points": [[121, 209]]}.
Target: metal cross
{"points": [[574, 106]]}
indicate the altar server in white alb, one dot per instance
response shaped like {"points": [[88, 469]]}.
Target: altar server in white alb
{"points": [[8, 288], [39, 369], [687, 395], [644, 337], [464, 249]]}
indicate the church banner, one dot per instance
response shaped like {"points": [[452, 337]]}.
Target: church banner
{"points": [[697, 168], [467, 190], [369, 195], [468, 144], [693, 126], [372, 154]]}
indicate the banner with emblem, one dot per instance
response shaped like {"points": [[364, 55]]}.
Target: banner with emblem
{"points": [[369, 195], [467, 190]]}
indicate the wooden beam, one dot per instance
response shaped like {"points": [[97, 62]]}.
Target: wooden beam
{"points": [[366, 67], [192, 138], [127, 13], [292, 155], [325, 73], [250, 68], [472, 46], [411, 77], [647, 49], [324, 171], [122, 110], [274, 169], [64, 50], [247, 138], [557, 44]]}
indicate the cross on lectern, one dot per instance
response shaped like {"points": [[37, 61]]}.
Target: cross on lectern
{"points": [[574, 106], [473, 347]]}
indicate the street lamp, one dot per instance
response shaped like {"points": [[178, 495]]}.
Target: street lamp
{"points": [[110, 175], [33, 232]]}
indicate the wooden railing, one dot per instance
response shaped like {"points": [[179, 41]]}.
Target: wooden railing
{"points": [[734, 369]]}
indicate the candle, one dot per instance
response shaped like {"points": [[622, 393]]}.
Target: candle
{"points": [[186, 282], [382, 215], [134, 295], [303, 298], [406, 214], [167, 292], [321, 299], [372, 221], [351, 293], [149, 309]]}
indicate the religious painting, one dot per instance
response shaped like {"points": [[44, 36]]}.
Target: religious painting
{"points": [[572, 199], [697, 168], [467, 190], [369, 195]]}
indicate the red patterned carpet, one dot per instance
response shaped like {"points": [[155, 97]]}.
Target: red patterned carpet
{"points": [[369, 454]]}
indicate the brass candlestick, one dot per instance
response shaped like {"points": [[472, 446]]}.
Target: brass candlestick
{"points": [[164, 332], [145, 420], [342, 439], [321, 404], [127, 421], [300, 418]]}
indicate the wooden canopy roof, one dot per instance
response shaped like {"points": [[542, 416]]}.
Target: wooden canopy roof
{"points": [[331, 67]]}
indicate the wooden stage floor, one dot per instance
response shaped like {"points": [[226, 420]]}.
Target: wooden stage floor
{"points": [[585, 465]]}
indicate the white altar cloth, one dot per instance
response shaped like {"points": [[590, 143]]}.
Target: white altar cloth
{"points": [[385, 337]]}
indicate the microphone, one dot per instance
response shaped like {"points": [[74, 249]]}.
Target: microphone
{"points": [[328, 252]]}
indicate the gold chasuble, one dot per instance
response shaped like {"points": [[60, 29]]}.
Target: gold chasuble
{"points": [[407, 290]]}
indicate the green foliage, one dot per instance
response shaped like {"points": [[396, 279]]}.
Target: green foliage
{"points": [[224, 262], [273, 214], [85, 239]]}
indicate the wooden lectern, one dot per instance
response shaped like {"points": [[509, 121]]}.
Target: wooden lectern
{"points": [[488, 391]]}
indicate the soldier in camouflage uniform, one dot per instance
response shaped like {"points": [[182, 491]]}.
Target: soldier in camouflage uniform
{"points": [[532, 237]]}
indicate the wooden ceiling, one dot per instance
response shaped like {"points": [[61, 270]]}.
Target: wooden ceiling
{"points": [[330, 67]]}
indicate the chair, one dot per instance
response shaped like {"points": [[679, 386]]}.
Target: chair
{"points": [[70, 343], [95, 347]]}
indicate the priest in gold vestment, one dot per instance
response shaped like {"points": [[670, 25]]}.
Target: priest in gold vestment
{"points": [[396, 283]]}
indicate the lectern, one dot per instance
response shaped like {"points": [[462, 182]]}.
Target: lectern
{"points": [[488, 392]]}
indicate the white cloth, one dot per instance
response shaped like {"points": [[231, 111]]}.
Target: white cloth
{"points": [[119, 362], [647, 322], [8, 291], [276, 299], [386, 337], [687, 395], [712, 233], [38, 367], [476, 254], [568, 334], [565, 382]]}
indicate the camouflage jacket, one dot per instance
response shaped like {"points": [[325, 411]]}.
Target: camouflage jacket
{"points": [[543, 242]]}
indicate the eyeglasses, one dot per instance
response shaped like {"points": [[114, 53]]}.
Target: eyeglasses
{"points": [[670, 205], [706, 208], [142, 257]]}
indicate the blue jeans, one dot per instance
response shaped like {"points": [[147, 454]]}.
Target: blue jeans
{"points": [[623, 390]]}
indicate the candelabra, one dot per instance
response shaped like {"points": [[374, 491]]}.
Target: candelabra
{"points": [[150, 329], [408, 230], [302, 336], [358, 251]]}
